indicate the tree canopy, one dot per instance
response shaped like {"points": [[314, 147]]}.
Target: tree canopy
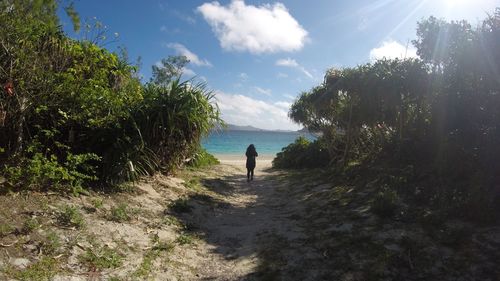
{"points": [[436, 115], [72, 111]]}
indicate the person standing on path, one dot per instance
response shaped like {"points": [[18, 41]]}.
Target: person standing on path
{"points": [[251, 154]]}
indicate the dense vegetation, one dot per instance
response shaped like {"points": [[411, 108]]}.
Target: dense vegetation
{"points": [[303, 154], [427, 127], [72, 112]]}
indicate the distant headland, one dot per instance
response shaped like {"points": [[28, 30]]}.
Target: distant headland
{"points": [[233, 127]]}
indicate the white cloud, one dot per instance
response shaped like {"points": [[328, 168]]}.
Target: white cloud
{"points": [[192, 57], [165, 29], [258, 29], [282, 75], [288, 62], [283, 104], [186, 18], [244, 110], [243, 76], [188, 72], [289, 97], [266, 92], [391, 50]]}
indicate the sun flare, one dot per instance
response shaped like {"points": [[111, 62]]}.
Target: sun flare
{"points": [[457, 3]]}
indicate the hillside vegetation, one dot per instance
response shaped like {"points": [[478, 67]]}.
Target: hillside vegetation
{"points": [[73, 113]]}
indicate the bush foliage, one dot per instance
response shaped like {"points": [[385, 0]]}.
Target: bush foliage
{"points": [[72, 112], [302, 154], [201, 158], [436, 115]]}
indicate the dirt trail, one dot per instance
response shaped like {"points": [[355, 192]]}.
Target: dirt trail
{"points": [[251, 233], [210, 224]]}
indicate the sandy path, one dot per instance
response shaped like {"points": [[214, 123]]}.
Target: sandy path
{"points": [[250, 235]]}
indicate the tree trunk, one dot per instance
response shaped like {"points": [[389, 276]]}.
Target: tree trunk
{"points": [[348, 136], [401, 121], [19, 127]]}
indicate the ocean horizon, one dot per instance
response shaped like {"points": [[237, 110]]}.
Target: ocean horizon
{"points": [[233, 142]]}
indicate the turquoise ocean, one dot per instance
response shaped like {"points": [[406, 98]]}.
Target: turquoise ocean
{"points": [[236, 142]]}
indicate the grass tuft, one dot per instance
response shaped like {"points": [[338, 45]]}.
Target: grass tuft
{"points": [[180, 206], [120, 213], [147, 261], [385, 203], [102, 258], [51, 244], [71, 217], [5, 229], [97, 203], [30, 225], [185, 238], [45, 269]]}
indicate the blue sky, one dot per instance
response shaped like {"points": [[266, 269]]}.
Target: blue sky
{"points": [[259, 55]]}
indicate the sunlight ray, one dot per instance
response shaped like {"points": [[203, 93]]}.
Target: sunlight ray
{"points": [[407, 18]]}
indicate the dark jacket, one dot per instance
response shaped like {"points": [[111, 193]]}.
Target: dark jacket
{"points": [[251, 154]]}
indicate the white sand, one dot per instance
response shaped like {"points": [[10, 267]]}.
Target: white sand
{"points": [[263, 161]]}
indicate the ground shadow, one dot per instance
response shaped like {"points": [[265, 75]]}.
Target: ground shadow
{"points": [[223, 186], [254, 224], [318, 225]]}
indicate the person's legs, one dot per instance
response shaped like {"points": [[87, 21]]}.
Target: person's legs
{"points": [[251, 175], [248, 174]]}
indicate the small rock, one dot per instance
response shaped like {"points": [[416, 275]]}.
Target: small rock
{"points": [[20, 262], [344, 227], [363, 210], [68, 278], [30, 247], [321, 221], [393, 247]]}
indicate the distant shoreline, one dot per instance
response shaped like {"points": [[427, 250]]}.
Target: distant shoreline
{"points": [[269, 157], [263, 161], [231, 145]]}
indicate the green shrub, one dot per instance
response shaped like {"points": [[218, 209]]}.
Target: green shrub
{"points": [[302, 154], [201, 158], [161, 132], [47, 172]]}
